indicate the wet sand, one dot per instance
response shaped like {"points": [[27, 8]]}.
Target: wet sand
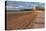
{"points": [[21, 21]]}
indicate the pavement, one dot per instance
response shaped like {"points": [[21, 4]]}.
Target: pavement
{"points": [[39, 20]]}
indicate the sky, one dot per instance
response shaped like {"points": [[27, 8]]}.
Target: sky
{"points": [[28, 0], [21, 6]]}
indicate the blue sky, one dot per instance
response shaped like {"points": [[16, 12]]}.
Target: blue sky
{"points": [[28, 0], [13, 5]]}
